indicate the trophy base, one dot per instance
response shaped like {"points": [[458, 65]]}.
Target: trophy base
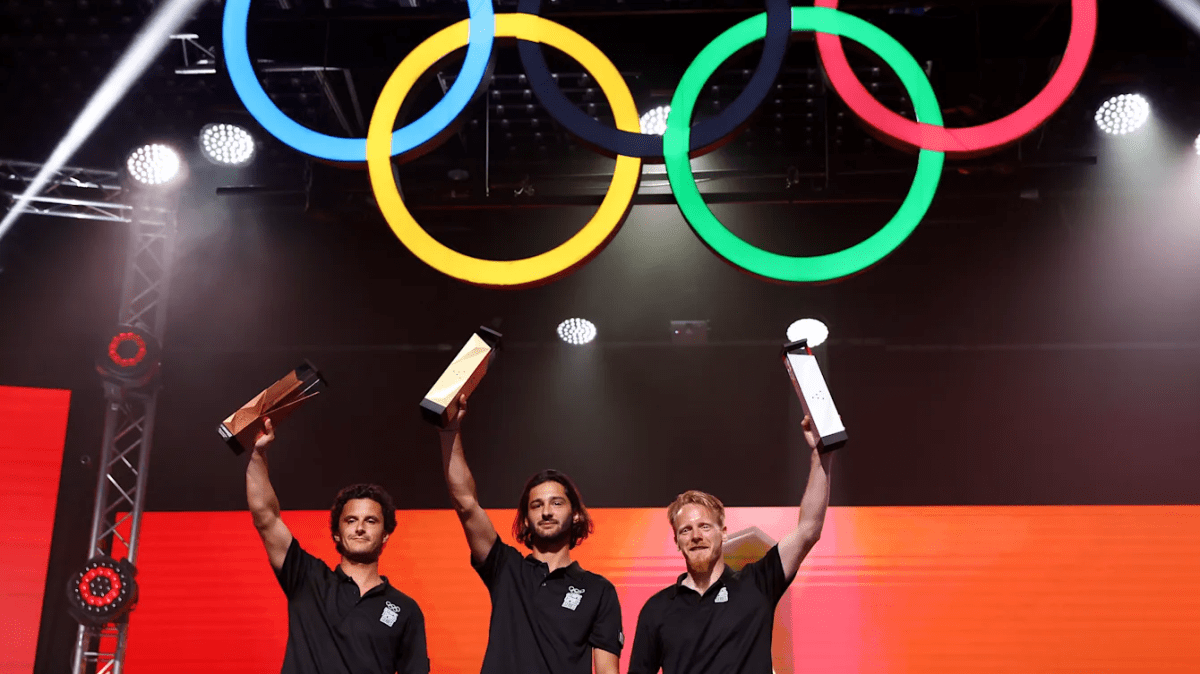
{"points": [[230, 439], [834, 441], [434, 413]]}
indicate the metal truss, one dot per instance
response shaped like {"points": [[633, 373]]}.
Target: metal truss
{"points": [[201, 60], [72, 192], [129, 422]]}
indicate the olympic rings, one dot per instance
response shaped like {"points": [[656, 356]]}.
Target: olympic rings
{"points": [[969, 139], [707, 135], [782, 267], [515, 273], [774, 27], [414, 135]]}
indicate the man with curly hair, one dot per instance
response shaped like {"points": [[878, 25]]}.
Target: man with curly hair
{"points": [[549, 616], [348, 620]]}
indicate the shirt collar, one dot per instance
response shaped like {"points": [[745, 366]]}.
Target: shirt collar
{"points": [[341, 576], [573, 569], [727, 576]]}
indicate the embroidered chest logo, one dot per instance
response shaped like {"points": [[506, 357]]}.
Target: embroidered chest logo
{"points": [[573, 597], [722, 596], [390, 613]]}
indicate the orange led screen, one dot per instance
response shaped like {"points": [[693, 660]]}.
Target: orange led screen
{"points": [[887, 590]]}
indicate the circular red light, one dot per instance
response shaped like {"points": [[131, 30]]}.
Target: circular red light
{"points": [[114, 349]]}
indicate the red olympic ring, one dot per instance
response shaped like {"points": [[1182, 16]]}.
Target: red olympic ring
{"points": [[973, 139]]}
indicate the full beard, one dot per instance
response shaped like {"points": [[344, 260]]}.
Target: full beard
{"points": [[702, 561], [552, 537]]}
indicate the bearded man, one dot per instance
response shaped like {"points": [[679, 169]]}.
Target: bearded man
{"points": [[714, 620], [549, 615]]}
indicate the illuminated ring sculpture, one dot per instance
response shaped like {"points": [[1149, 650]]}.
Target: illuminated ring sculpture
{"points": [[783, 267], [966, 140], [410, 137], [708, 135], [575, 251]]}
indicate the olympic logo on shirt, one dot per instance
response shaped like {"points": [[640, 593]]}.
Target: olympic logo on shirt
{"points": [[675, 146]]}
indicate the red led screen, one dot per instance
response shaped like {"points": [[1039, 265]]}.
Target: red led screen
{"points": [[891, 590], [33, 427]]}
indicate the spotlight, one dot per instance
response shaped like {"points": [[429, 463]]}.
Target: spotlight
{"points": [[655, 121], [154, 164], [103, 591], [130, 357], [808, 328], [576, 331], [1197, 144], [227, 144], [1123, 114]]}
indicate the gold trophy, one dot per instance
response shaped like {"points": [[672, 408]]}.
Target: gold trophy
{"points": [[814, 394], [460, 378], [278, 401]]}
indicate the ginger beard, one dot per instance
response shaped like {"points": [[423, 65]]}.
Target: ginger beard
{"points": [[700, 537], [549, 514], [361, 536]]}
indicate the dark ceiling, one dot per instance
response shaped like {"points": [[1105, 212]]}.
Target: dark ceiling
{"points": [[985, 59]]}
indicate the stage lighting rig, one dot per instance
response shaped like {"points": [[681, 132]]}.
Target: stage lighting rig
{"points": [[654, 122], [154, 165], [811, 329], [577, 331], [1123, 114], [102, 592], [131, 357], [226, 144]]}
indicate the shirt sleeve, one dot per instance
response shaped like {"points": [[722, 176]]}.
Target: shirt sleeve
{"points": [[411, 656], [647, 653], [297, 564], [767, 575], [606, 629], [499, 557]]}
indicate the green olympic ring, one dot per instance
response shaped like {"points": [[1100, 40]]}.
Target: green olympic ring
{"points": [[800, 269]]}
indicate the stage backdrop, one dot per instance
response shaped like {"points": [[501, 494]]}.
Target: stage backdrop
{"points": [[895, 590], [33, 427]]}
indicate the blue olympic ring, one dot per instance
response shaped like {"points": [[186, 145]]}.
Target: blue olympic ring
{"points": [[333, 148]]}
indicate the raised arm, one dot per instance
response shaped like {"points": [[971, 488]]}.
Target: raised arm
{"points": [[481, 535], [795, 546], [264, 505]]}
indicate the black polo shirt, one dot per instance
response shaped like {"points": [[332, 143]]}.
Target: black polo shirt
{"points": [[546, 622], [725, 631], [334, 630]]}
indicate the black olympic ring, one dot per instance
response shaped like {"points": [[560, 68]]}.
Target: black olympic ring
{"points": [[708, 135]]}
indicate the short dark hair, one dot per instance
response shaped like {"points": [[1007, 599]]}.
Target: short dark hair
{"points": [[580, 528], [372, 491]]}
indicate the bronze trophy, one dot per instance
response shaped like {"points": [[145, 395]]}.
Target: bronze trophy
{"points": [[278, 401]]}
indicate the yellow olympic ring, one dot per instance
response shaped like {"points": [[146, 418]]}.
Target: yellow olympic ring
{"points": [[506, 273]]}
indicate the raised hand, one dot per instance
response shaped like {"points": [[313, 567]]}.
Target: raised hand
{"points": [[265, 437], [455, 424], [810, 433]]}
